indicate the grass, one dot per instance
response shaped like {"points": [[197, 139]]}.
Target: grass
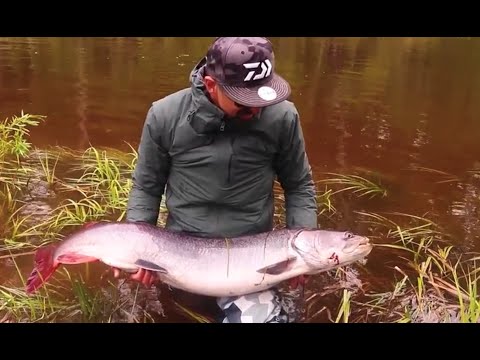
{"points": [[16, 306], [83, 186], [437, 284], [354, 184], [344, 309], [192, 314], [14, 134], [48, 168], [432, 279]]}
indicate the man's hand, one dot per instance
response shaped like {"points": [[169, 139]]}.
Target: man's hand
{"points": [[146, 277]]}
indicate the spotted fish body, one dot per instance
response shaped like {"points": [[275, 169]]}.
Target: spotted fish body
{"points": [[206, 266]]}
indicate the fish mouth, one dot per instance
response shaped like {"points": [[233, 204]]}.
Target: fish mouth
{"points": [[361, 245]]}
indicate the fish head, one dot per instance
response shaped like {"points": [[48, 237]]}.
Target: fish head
{"points": [[323, 250]]}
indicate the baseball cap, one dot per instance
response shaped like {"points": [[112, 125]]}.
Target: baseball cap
{"points": [[244, 67]]}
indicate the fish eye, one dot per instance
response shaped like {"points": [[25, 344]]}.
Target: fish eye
{"points": [[348, 235]]}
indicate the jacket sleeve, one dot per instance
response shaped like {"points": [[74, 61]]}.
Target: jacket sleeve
{"points": [[295, 176], [150, 174]]}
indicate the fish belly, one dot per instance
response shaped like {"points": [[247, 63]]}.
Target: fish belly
{"points": [[209, 284], [216, 274]]}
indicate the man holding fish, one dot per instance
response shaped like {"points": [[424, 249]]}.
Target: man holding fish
{"points": [[214, 149]]}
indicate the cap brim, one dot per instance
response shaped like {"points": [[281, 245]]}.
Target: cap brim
{"points": [[272, 92]]}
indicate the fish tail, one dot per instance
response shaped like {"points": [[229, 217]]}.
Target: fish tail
{"points": [[44, 268]]}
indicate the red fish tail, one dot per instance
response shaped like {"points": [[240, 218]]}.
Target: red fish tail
{"points": [[44, 268]]}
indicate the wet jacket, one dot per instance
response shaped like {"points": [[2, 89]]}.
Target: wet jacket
{"points": [[218, 173]]}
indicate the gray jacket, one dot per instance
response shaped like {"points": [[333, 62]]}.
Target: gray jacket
{"points": [[218, 174]]}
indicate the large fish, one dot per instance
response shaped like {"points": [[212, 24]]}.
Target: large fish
{"points": [[206, 266]]}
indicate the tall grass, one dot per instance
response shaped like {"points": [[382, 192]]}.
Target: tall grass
{"points": [[98, 188], [14, 133], [354, 184], [438, 284]]}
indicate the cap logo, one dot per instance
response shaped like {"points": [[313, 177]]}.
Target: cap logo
{"points": [[267, 93], [266, 70]]}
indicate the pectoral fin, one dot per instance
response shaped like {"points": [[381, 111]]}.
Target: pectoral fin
{"points": [[278, 268], [145, 264]]}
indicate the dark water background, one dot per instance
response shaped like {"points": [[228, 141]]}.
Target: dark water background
{"points": [[385, 108]]}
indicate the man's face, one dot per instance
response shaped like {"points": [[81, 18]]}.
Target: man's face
{"points": [[228, 106]]}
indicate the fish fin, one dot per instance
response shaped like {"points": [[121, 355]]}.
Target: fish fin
{"points": [[145, 264], [89, 224], [44, 268], [278, 268], [74, 258], [297, 281]]}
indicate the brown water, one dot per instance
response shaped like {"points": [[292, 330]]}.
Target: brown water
{"points": [[380, 107]]}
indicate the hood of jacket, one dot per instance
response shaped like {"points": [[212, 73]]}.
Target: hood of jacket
{"points": [[205, 116]]}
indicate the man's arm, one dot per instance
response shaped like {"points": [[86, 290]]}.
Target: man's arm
{"points": [[295, 176], [150, 174]]}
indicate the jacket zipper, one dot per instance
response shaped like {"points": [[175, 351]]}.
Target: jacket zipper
{"points": [[229, 168], [222, 128], [231, 157]]}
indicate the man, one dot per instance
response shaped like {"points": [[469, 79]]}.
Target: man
{"points": [[216, 148]]}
